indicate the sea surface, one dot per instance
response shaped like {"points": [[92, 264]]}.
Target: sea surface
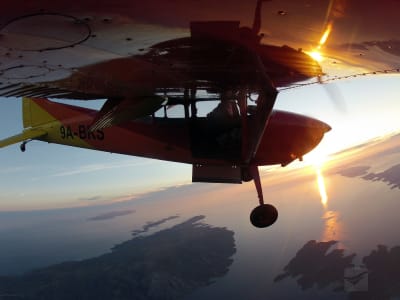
{"points": [[336, 238]]}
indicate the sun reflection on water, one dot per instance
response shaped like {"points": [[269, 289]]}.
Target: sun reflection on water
{"points": [[333, 227], [317, 160], [321, 187]]}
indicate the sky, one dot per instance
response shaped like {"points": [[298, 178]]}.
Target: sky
{"points": [[54, 176]]}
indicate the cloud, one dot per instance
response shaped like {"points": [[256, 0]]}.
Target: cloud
{"points": [[152, 192], [14, 169], [101, 167], [112, 215], [93, 198], [150, 225]]}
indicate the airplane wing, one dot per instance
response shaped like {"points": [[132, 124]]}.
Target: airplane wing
{"points": [[120, 49], [128, 50]]}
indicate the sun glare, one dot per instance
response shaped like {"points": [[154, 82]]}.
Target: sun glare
{"points": [[333, 229], [316, 53], [317, 159], [325, 35]]}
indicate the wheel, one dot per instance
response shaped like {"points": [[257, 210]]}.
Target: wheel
{"points": [[246, 176], [263, 216]]}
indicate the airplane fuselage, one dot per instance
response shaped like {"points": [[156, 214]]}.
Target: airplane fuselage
{"points": [[288, 136]]}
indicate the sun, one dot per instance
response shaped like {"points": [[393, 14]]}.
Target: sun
{"points": [[316, 55], [316, 52], [316, 158]]}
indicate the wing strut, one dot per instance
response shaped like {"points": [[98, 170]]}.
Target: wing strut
{"points": [[116, 111], [265, 104]]}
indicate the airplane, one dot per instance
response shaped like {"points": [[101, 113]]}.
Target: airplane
{"points": [[211, 144], [143, 57]]}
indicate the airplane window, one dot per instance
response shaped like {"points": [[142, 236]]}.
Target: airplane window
{"points": [[204, 108]]}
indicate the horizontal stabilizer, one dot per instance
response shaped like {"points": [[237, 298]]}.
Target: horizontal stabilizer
{"points": [[26, 135]]}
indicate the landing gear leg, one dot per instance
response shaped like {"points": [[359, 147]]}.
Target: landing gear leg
{"points": [[263, 215]]}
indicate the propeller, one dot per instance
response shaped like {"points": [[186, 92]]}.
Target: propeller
{"points": [[335, 96], [257, 17]]}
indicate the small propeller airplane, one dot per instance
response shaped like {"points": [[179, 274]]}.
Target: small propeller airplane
{"points": [[142, 58], [212, 144]]}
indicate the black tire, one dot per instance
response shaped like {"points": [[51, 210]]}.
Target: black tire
{"points": [[263, 216], [246, 176]]}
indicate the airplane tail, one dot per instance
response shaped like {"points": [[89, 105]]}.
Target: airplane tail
{"points": [[33, 115], [54, 123]]}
